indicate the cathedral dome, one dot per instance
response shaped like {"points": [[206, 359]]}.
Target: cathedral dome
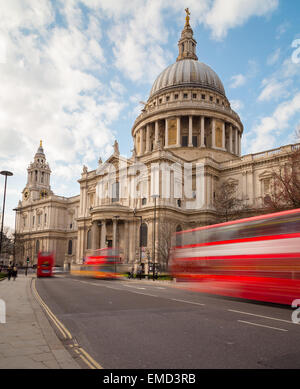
{"points": [[188, 72]]}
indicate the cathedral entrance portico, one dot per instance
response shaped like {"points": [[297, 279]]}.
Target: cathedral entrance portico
{"points": [[111, 231]]}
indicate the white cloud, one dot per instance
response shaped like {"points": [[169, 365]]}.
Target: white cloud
{"points": [[48, 90], [29, 14], [236, 105], [137, 43], [274, 90], [238, 80], [281, 29], [281, 83], [228, 14], [274, 57], [270, 127]]}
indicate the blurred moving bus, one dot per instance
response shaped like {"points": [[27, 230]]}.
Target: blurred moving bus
{"points": [[45, 263], [254, 258], [101, 263]]}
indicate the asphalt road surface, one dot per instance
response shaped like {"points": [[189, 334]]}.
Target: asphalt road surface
{"points": [[154, 325]]}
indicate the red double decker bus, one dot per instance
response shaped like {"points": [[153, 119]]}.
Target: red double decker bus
{"points": [[102, 263], [45, 263], [254, 258]]}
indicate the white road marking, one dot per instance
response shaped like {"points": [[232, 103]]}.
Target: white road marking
{"points": [[120, 289], [110, 287], [145, 294], [132, 286], [265, 317], [98, 284], [261, 325], [188, 302]]}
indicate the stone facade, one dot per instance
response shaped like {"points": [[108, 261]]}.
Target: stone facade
{"points": [[45, 221], [186, 122]]}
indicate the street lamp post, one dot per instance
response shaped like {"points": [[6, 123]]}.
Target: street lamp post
{"points": [[155, 196], [4, 173], [15, 235], [141, 219], [115, 241]]}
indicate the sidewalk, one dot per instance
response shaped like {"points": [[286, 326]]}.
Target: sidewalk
{"points": [[27, 340]]}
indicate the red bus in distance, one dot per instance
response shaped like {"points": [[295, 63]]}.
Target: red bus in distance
{"points": [[256, 258], [45, 264], [101, 263]]}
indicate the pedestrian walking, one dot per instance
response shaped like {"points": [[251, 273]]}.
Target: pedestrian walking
{"points": [[9, 272], [14, 272], [131, 273], [140, 272]]}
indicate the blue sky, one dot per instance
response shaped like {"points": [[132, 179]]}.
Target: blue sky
{"points": [[73, 74]]}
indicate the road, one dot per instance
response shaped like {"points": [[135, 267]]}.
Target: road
{"points": [[143, 325]]}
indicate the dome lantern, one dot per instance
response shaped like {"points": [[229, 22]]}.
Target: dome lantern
{"points": [[187, 44]]}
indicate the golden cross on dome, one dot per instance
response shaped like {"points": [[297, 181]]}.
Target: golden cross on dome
{"points": [[187, 18], [41, 143]]}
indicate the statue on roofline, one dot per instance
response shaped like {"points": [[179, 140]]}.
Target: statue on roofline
{"points": [[116, 148], [84, 169], [187, 18]]}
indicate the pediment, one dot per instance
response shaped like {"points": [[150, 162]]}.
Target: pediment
{"points": [[232, 181], [265, 174], [112, 164]]}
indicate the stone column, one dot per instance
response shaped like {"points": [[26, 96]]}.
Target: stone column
{"points": [[115, 225], [178, 144], [244, 185], [95, 234], [230, 139], [240, 139], [166, 133], [141, 141], [202, 132], [223, 135], [147, 138], [156, 133], [190, 131], [251, 187], [213, 134], [236, 142], [126, 241], [103, 234], [208, 191]]}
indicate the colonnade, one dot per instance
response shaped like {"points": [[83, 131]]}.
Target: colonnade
{"points": [[99, 232], [211, 132]]}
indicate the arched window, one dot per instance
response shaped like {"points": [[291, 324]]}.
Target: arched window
{"points": [[115, 192], [143, 235], [89, 237], [70, 244]]}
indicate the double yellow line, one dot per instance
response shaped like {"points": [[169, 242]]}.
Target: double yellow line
{"points": [[89, 361]]}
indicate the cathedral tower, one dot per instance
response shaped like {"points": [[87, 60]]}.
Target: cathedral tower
{"points": [[38, 177]]}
